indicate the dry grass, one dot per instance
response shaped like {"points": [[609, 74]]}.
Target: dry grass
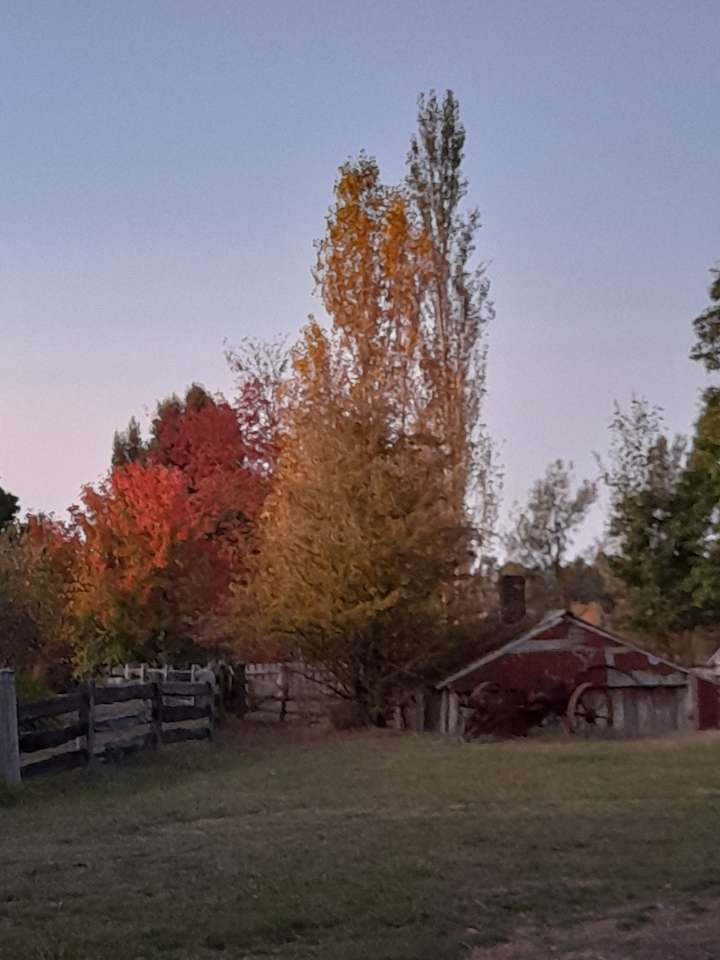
{"points": [[357, 846]]}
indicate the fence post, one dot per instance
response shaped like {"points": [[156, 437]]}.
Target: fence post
{"points": [[157, 710], [240, 690], [284, 685], [212, 719], [9, 746], [87, 714]]}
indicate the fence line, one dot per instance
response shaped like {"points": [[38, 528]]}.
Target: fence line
{"points": [[289, 688], [268, 688], [87, 723]]}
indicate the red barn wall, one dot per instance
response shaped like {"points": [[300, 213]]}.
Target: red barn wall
{"points": [[708, 697], [566, 655], [555, 661]]}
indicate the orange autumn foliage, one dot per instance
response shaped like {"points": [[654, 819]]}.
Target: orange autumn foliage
{"points": [[144, 571], [372, 271], [164, 537]]}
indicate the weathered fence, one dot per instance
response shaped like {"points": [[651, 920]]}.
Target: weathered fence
{"points": [[91, 723], [291, 689], [268, 691], [227, 683], [144, 672]]}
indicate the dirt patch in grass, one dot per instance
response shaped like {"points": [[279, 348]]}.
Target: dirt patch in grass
{"points": [[655, 933]]}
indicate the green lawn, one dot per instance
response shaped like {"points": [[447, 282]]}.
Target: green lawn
{"points": [[355, 847]]}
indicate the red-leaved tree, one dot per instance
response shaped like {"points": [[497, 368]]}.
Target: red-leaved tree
{"points": [[164, 537]]}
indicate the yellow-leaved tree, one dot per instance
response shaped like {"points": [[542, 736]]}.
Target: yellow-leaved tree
{"points": [[360, 544], [368, 537]]}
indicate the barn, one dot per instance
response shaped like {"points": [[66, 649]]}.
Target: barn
{"points": [[712, 668], [567, 672]]}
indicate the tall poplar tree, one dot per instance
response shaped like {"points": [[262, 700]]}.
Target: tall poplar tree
{"points": [[367, 540], [455, 306]]}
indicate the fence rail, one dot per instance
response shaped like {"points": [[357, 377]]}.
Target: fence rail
{"points": [[270, 690], [86, 722], [54, 707]]}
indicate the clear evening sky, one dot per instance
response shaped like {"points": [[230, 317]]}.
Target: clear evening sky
{"points": [[165, 167]]}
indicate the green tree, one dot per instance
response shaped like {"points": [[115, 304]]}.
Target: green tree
{"points": [[9, 506], [128, 445], [707, 329], [585, 579], [700, 487], [653, 536], [543, 530], [665, 512], [698, 515]]}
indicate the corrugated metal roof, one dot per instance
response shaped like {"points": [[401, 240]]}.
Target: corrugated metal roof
{"points": [[550, 620]]}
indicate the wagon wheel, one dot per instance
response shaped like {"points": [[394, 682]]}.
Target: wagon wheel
{"points": [[589, 710], [482, 690], [473, 706]]}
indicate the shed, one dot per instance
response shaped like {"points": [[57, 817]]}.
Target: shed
{"points": [[567, 671], [713, 664]]}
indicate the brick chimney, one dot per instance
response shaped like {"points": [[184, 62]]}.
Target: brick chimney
{"points": [[512, 598]]}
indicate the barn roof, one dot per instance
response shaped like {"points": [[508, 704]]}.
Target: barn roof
{"points": [[552, 619]]}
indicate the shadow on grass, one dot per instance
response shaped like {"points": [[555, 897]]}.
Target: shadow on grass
{"points": [[148, 770]]}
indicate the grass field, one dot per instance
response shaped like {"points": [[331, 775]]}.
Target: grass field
{"points": [[355, 847]]}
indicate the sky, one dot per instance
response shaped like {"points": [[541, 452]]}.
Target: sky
{"points": [[166, 166]]}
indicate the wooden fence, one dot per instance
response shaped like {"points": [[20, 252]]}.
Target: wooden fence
{"points": [[270, 691], [144, 673], [291, 689], [228, 684], [91, 723]]}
